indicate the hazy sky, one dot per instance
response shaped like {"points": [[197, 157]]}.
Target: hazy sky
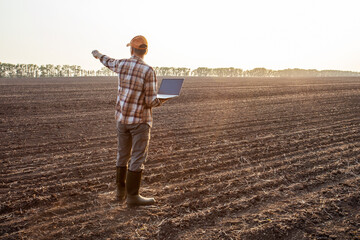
{"points": [[275, 34]]}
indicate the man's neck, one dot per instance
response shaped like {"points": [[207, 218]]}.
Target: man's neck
{"points": [[142, 57]]}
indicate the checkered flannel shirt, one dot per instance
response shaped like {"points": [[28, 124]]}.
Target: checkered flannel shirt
{"points": [[137, 89]]}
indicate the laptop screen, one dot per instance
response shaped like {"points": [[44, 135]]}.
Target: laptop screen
{"points": [[171, 86]]}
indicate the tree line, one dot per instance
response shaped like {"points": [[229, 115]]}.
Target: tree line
{"points": [[34, 71], [8, 70], [263, 72]]}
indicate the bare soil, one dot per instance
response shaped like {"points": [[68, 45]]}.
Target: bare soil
{"points": [[231, 158]]}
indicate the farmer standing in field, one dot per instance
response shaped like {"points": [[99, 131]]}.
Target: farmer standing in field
{"points": [[137, 95]]}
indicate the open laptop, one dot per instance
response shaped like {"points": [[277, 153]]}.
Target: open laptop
{"points": [[170, 88]]}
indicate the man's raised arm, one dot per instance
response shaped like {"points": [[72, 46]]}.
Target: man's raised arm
{"points": [[112, 64]]}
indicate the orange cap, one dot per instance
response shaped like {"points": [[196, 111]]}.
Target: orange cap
{"points": [[138, 42]]}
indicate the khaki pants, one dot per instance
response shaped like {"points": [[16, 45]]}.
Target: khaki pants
{"points": [[133, 142]]}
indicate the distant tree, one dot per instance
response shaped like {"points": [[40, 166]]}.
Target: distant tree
{"points": [[50, 69], [12, 70], [43, 71], [201, 72], [2, 70], [184, 71], [258, 72], [165, 71], [58, 71], [219, 72], [65, 70], [18, 70]]}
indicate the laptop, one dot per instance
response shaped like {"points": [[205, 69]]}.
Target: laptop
{"points": [[170, 88]]}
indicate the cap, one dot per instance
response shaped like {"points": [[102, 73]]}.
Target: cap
{"points": [[138, 42]]}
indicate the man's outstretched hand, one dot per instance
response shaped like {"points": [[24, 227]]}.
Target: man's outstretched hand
{"points": [[96, 54]]}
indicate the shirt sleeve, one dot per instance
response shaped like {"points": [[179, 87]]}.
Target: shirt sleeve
{"points": [[111, 63], [150, 86]]}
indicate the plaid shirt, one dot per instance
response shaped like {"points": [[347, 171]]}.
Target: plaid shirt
{"points": [[137, 89]]}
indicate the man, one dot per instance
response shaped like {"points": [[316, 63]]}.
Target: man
{"points": [[137, 95]]}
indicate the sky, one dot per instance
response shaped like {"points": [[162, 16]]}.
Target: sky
{"points": [[275, 34]]}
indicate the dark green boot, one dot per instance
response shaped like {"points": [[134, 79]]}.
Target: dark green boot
{"points": [[133, 180], [120, 183]]}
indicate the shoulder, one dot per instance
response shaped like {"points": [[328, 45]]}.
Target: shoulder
{"points": [[146, 68], [150, 69]]}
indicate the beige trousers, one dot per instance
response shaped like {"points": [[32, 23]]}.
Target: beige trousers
{"points": [[133, 142]]}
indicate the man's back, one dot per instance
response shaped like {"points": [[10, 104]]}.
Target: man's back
{"points": [[137, 92]]}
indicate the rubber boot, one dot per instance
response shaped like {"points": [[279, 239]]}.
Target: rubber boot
{"points": [[133, 180], [120, 183]]}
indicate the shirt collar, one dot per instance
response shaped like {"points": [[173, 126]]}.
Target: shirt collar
{"points": [[137, 58]]}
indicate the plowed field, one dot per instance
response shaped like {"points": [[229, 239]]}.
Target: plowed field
{"points": [[229, 159]]}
